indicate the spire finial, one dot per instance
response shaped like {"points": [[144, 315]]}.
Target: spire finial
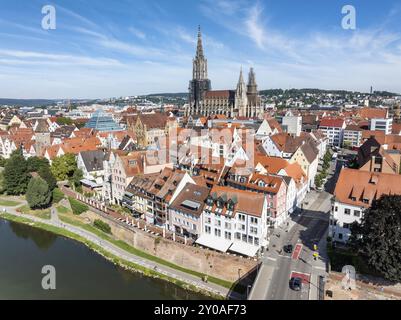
{"points": [[199, 50]]}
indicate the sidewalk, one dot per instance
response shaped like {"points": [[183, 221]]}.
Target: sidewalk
{"points": [[111, 248]]}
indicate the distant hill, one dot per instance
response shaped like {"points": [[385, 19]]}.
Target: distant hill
{"points": [[27, 102], [169, 95], [275, 92]]}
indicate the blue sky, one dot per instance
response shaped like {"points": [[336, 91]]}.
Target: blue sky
{"points": [[128, 47]]}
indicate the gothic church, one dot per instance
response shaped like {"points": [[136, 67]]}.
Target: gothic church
{"points": [[242, 102]]}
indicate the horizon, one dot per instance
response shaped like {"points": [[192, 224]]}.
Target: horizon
{"points": [[177, 93], [137, 48]]}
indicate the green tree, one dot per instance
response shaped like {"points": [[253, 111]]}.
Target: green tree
{"points": [[76, 178], [46, 174], [16, 175], [38, 194], [318, 181], [378, 236], [63, 167], [35, 164], [64, 121], [2, 162], [2, 188]]}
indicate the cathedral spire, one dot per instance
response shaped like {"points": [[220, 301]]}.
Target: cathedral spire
{"points": [[200, 62], [251, 79], [252, 86], [241, 77], [199, 49]]}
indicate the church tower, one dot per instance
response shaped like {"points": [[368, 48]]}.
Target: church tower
{"points": [[252, 87], [199, 83], [241, 99], [254, 108]]}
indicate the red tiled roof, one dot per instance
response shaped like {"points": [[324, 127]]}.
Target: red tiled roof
{"points": [[331, 122]]}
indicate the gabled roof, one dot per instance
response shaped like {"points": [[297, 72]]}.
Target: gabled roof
{"points": [[295, 171], [226, 94], [246, 202], [154, 120], [310, 152], [370, 113], [286, 143], [355, 186], [93, 160], [166, 183], [272, 164], [332, 122], [191, 199]]}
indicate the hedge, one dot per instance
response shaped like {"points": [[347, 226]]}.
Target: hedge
{"points": [[102, 226], [57, 195], [77, 207]]}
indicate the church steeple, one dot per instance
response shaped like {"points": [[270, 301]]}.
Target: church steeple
{"points": [[200, 62], [199, 48], [199, 84], [241, 87], [241, 99], [252, 86]]}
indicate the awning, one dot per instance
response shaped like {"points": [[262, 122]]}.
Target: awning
{"points": [[245, 249], [90, 183], [216, 243]]}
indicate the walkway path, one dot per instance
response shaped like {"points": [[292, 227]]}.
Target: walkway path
{"points": [[111, 248]]}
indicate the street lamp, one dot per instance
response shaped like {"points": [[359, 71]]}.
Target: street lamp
{"points": [[247, 291]]}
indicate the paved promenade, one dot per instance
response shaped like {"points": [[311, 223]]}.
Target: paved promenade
{"points": [[111, 248]]}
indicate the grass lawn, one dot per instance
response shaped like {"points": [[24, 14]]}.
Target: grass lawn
{"points": [[62, 210], [8, 203], [43, 214]]}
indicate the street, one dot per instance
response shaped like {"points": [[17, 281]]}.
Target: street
{"points": [[304, 231]]}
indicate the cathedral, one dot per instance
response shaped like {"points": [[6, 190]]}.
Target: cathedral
{"points": [[244, 101]]}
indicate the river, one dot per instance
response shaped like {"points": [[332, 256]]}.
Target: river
{"points": [[80, 273]]}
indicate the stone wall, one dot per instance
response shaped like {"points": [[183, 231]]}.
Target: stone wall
{"points": [[213, 263]]}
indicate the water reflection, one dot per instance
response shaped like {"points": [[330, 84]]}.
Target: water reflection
{"points": [[81, 273], [43, 239]]}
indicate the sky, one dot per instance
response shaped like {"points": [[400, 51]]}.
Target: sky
{"points": [[103, 49]]}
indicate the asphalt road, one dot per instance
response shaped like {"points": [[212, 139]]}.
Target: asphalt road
{"points": [[308, 230]]}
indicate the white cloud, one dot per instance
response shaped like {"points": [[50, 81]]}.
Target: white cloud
{"points": [[33, 58], [254, 26], [137, 33]]}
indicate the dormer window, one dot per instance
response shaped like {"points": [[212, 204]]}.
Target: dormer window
{"points": [[230, 205], [209, 201], [261, 183]]}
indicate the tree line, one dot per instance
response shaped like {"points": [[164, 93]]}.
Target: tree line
{"points": [[35, 178]]}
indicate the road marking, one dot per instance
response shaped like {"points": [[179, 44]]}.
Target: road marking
{"points": [[319, 268], [272, 259], [297, 251], [304, 276]]}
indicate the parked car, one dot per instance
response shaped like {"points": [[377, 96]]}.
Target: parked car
{"points": [[296, 284], [288, 248]]}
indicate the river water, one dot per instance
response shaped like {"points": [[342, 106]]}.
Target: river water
{"points": [[80, 273]]}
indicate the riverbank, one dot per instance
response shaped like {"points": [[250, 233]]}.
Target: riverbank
{"points": [[98, 245]]}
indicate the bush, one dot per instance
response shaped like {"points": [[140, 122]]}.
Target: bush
{"points": [[77, 207], [38, 194], [57, 195], [102, 226]]}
